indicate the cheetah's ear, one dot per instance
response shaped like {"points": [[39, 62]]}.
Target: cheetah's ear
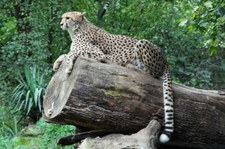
{"points": [[82, 15]]}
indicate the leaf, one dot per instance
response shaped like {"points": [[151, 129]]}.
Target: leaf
{"points": [[208, 4], [27, 99], [29, 106], [36, 97], [18, 87], [195, 8], [22, 81], [183, 23], [208, 42], [213, 50], [16, 92], [39, 97], [194, 15], [221, 20], [191, 28], [6, 126], [21, 105]]}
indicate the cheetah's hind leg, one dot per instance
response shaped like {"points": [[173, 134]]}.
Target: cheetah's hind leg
{"points": [[58, 62]]}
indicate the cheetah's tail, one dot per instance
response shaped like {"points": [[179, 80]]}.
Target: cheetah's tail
{"points": [[168, 107]]}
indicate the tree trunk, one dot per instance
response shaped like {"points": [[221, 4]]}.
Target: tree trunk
{"points": [[146, 138], [102, 96]]}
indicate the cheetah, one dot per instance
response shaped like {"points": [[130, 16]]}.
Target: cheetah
{"points": [[91, 41]]}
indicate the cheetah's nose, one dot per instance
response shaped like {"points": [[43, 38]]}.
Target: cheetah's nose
{"points": [[61, 24]]}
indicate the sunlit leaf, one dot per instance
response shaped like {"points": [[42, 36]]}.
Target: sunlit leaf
{"points": [[183, 23], [213, 50], [27, 99], [208, 4], [29, 105]]}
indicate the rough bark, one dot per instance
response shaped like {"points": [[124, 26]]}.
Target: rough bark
{"points": [[102, 96], [144, 139]]}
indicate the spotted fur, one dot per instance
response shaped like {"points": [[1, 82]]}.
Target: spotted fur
{"points": [[91, 41]]}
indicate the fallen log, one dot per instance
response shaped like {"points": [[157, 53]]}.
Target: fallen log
{"points": [[146, 138], [106, 96]]}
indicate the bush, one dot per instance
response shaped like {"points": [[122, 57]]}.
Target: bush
{"points": [[28, 95]]}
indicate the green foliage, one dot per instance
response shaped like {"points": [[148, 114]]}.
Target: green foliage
{"points": [[28, 95], [8, 29], [208, 17], [9, 124], [41, 136], [52, 132], [5, 142]]}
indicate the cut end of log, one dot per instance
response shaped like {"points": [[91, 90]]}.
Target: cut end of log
{"points": [[58, 91]]}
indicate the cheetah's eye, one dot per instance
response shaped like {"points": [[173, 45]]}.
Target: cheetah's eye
{"points": [[67, 18]]}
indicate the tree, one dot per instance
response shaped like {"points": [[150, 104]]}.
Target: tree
{"points": [[208, 17]]}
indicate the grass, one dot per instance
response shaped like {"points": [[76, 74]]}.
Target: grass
{"points": [[40, 136]]}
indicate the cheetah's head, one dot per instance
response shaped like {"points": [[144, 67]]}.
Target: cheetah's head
{"points": [[72, 20]]}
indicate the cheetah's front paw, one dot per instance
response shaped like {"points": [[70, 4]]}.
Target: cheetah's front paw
{"points": [[71, 58], [58, 62], [69, 65]]}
